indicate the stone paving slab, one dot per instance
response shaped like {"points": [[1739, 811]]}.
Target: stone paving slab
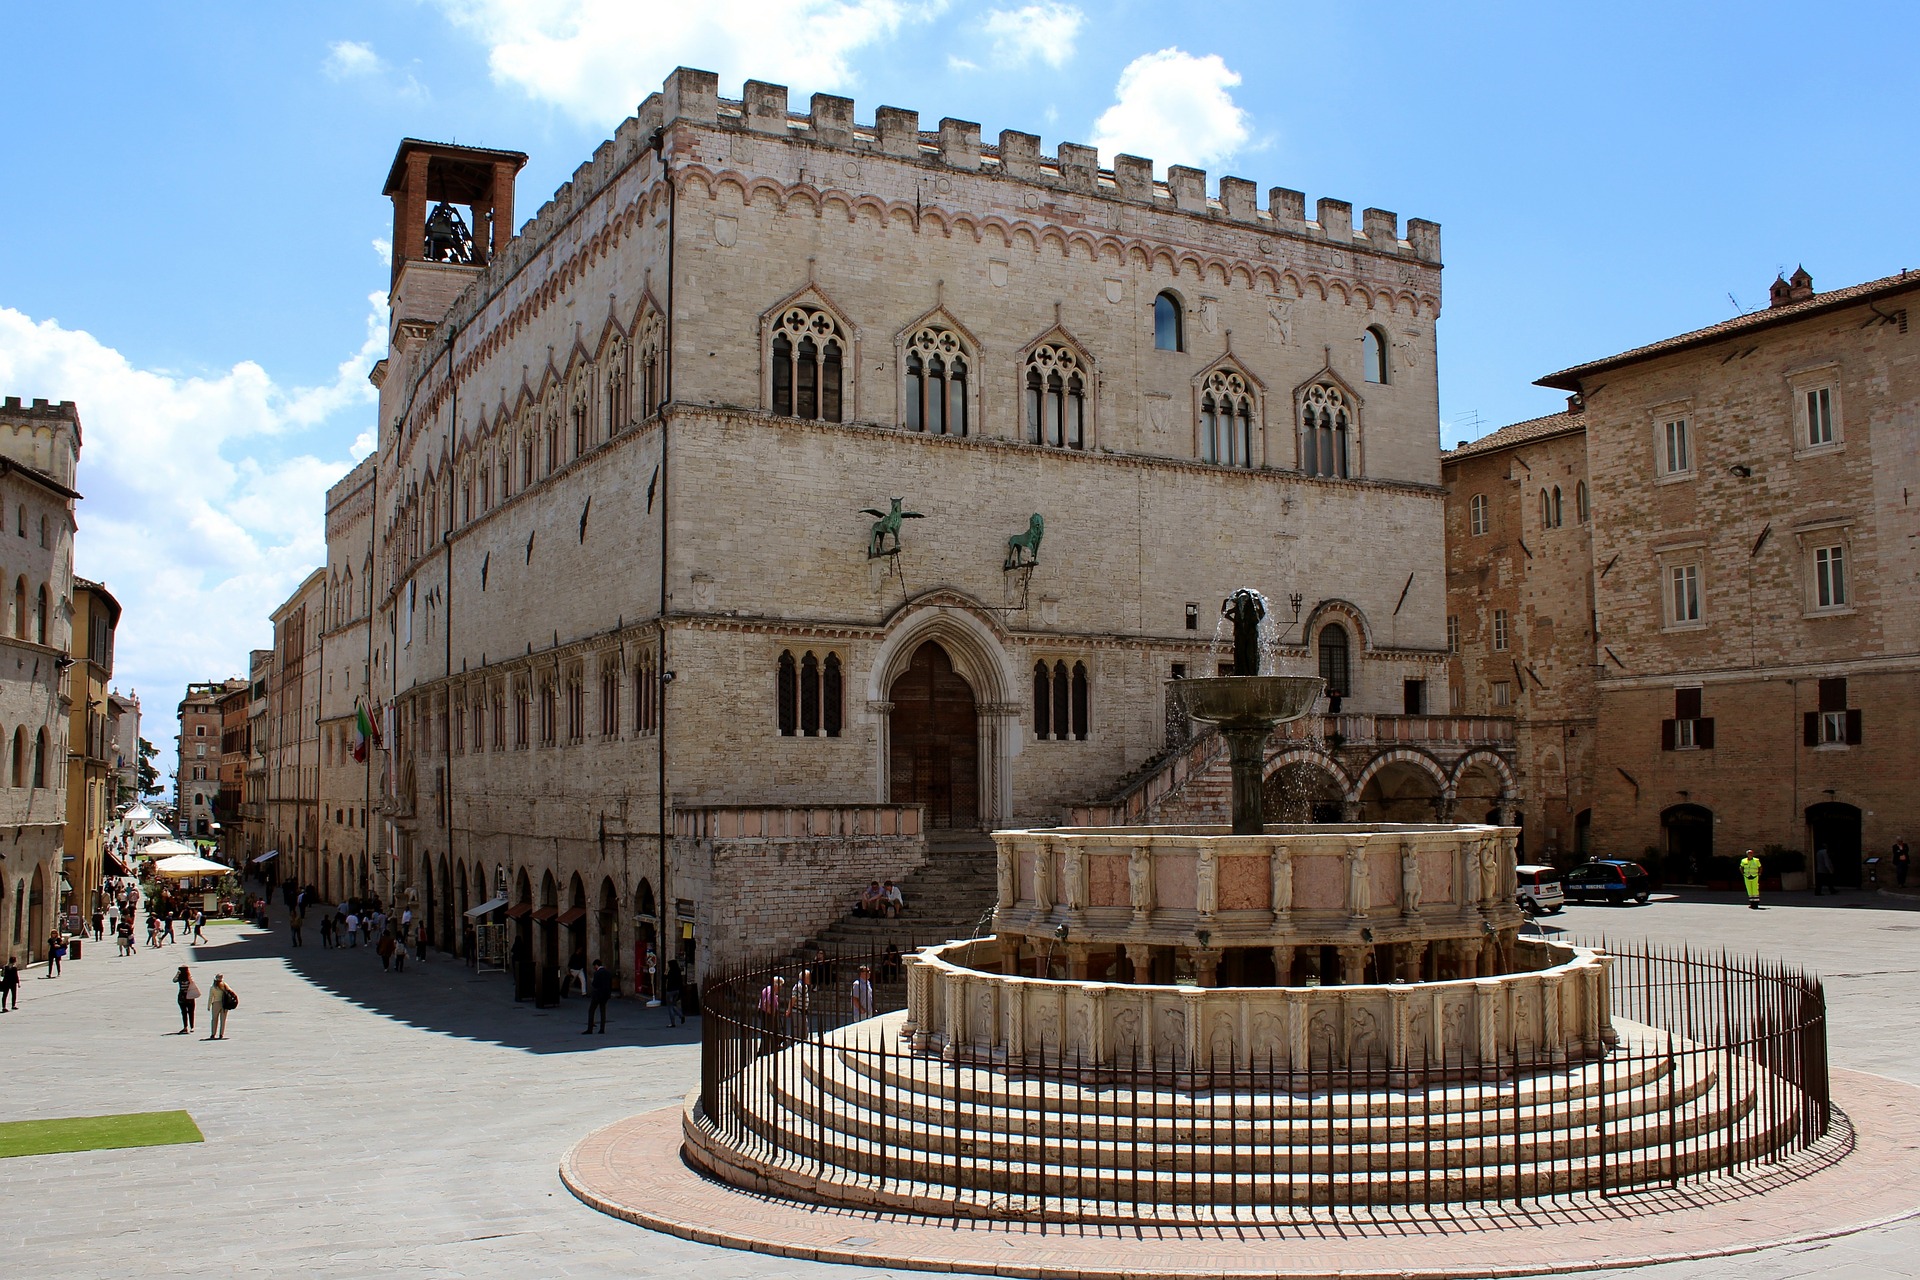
{"points": [[633, 1170]]}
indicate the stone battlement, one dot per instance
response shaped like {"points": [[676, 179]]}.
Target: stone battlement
{"points": [[64, 410]]}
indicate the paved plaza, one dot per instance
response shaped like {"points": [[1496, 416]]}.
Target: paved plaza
{"points": [[368, 1123]]}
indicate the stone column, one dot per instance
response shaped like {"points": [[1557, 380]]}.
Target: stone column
{"points": [[1411, 956], [882, 713], [1353, 966], [1282, 965], [1078, 954], [1206, 965], [1141, 957], [1010, 953]]}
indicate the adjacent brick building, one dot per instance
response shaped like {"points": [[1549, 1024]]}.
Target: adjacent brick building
{"points": [[90, 755], [1753, 578]]}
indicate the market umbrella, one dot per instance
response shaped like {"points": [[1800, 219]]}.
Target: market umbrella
{"points": [[150, 829], [166, 849], [139, 813], [185, 866]]}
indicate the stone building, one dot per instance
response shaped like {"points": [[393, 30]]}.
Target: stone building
{"points": [[196, 778], [90, 748], [1756, 581], [293, 751], [39, 454], [352, 843], [1520, 616], [235, 746], [864, 471], [253, 785], [123, 711]]}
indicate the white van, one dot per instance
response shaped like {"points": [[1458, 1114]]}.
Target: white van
{"points": [[1538, 891]]}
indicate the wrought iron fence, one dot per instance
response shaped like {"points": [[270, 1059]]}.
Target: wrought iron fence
{"points": [[1721, 1067]]}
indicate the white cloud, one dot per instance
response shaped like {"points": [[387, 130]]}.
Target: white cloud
{"points": [[596, 59], [1175, 108], [347, 59], [1045, 31], [205, 495], [955, 63]]}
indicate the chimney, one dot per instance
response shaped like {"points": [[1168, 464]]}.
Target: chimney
{"points": [[1797, 288]]}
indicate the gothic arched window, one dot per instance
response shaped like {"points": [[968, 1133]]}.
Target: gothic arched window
{"points": [[809, 350], [1168, 331], [1062, 701], [1334, 668], [935, 396], [619, 406], [811, 695], [647, 366], [1226, 418], [1373, 354], [1582, 504], [1056, 387], [1326, 432]]}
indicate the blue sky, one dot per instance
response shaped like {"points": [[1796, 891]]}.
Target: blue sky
{"points": [[190, 242]]}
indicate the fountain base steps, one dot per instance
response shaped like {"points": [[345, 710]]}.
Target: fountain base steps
{"points": [[830, 1122]]}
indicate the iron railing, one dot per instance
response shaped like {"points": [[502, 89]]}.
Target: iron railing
{"points": [[1720, 1068]]}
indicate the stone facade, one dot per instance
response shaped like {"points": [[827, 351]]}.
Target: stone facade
{"points": [[196, 777], [253, 787], [89, 760], [293, 752], [123, 713], [1520, 616], [353, 840], [1753, 581], [39, 453], [580, 553]]}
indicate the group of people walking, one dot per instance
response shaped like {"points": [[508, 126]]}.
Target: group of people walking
{"points": [[221, 1001]]}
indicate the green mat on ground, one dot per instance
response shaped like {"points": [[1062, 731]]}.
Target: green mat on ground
{"points": [[97, 1133]]}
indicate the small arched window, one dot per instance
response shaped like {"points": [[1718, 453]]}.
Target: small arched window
{"points": [[1168, 329], [40, 760], [20, 609], [1326, 432], [1373, 354], [1477, 514], [1056, 386], [809, 350], [935, 395], [1334, 667], [1557, 513], [1226, 419], [580, 421], [647, 364], [40, 610], [43, 531], [18, 772], [1582, 507], [1546, 510]]}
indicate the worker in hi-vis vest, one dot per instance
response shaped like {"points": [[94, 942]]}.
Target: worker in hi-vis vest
{"points": [[1750, 872]]}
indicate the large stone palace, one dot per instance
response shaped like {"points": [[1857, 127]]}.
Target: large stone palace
{"points": [[791, 487]]}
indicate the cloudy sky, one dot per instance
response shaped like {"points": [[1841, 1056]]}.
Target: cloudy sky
{"points": [[192, 239]]}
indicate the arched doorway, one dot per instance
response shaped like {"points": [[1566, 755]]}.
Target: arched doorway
{"points": [[36, 915], [574, 920], [1583, 835], [1837, 828], [934, 740], [1689, 832], [1401, 791], [609, 926], [645, 918], [1303, 792]]}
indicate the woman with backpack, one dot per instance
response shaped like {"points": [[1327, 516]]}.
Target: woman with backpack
{"points": [[220, 1002], [189, 997]]}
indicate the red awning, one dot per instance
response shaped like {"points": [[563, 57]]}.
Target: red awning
{"points": [[518, 909], [571, 915], [546, 913]]}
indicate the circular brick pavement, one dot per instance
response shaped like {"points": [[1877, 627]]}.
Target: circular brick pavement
{"points": [[1860, 1177]]}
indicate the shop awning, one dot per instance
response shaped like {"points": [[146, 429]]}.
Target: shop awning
{"points": [[518, 909], [571, 915], [490, 905], [114, 866], [269, 854], [546, 913]]}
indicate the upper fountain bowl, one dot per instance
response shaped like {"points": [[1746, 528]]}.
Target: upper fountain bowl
{"points": [[1248, 701]]}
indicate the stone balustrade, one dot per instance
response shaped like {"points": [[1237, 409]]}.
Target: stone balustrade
{"points": [[1556, 1011]]}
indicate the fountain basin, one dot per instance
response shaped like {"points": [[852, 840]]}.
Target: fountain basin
{"points": [[1248, 701]]}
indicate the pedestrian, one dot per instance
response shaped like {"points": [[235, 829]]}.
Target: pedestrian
{"points": [[56, 952], [773, 1004], [99, 925], [189, 995], [599, 990], [399, 953], [576, 972], [153, 928], [166, 923], [199, 925], [220, 1002], [1750, 873], [353, 928], [420, 941], [125, 935], [673, 993], [863, 994], [385, 948], [800, 1006], [1900, 859], [1822, 870], [294, 921], [9, 985]]}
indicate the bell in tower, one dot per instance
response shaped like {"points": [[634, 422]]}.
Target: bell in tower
{"points": [[447, 237]]}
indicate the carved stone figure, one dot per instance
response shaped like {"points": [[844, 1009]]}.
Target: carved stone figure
{"points": [[1409, 882], [1140, 880], [1009, 879], [1359, 896], [1043, 880], [1073, 875], [1206, 882], [1282, 872]]}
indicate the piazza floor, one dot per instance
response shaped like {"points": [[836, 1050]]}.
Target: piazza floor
{"points": [[369, 1123]]}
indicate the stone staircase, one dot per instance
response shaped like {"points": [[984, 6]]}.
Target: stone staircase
{"points": [[947, 898], [849, 1118]]}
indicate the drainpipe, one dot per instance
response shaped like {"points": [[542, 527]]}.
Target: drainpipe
{"points": [[661, 896]]}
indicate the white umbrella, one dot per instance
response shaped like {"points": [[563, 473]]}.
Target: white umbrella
{"points": [[187, 865], [165, 849], [139, 813], [150, 830]]}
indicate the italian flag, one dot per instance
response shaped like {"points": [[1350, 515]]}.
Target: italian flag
{"points": [[363, 732]]}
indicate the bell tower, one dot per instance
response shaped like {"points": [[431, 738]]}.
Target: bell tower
{"points": [[452, 212]]}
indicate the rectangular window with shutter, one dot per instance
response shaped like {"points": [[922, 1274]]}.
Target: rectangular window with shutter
{"points": [[1833, 724], [1688, 730]]}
